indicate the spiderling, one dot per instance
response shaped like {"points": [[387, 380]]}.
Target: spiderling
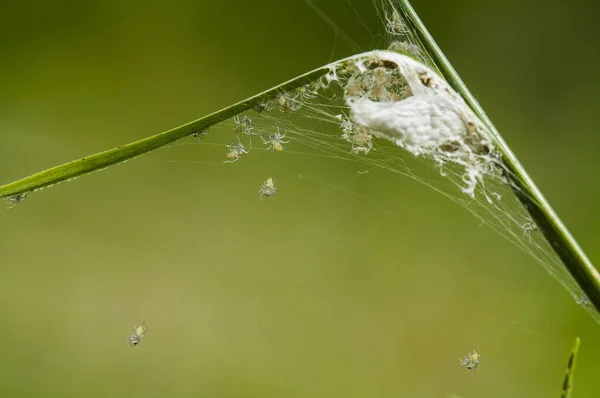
{"points": [[528, 227], [582, 300], [14, 200], [288, 102], [268, 187], [137, 335], [263, 106], [276, 140], [471, 361], [236, 151], [358, 136], [306, 92], [200, 134], [243, 125], [394, 25], [404, 47]]}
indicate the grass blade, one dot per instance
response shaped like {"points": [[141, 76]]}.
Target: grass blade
{"points": [[568, 381], [123, 153]]}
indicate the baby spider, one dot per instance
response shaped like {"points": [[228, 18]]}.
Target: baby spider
{"points": [[236, 151], [471, 360], [199, 134], [395, 26], [275, 140], [138, 334], [306, 92], [288, 102], [268, 187], [263, 106], [582, 300], [358, 136], [13, 201], [527, 228], [243, 124]]}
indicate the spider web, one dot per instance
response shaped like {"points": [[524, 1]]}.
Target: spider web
{"points": [[316, 120]]}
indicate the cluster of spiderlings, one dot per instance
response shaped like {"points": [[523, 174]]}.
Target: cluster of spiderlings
{"points": [[402, 100], [243, 125], [358, 136], [275, 141], [236, 151], [376, 82], [288, 101], [285, 102]]}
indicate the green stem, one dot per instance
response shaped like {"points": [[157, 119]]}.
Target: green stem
{"points": [[120, 154], [568, 380], [550, 225]]}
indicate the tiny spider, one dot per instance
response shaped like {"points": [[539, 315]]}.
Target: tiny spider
{"points": [[138, 334], [199, 134], [243, 124], [268, 187], [582, 300], [361, 141], [403, 47], [288, 102], [527, 228], [306, 92], [13, 201], [471, 361], [275, 140], [236, 151], [395, 26], [263, 106], [357, 135]]}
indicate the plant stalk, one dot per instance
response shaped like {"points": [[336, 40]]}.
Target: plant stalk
{"points": [[120, 154]]}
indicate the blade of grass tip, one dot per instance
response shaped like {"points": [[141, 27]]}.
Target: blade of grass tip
{"points": [[568, 381], [120, 154], [555, 232]]}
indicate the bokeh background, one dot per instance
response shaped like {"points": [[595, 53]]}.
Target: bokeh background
{"points": [[315, 292]]}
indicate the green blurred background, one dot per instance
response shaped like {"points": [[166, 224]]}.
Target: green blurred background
{"points": [[312, 293]]}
